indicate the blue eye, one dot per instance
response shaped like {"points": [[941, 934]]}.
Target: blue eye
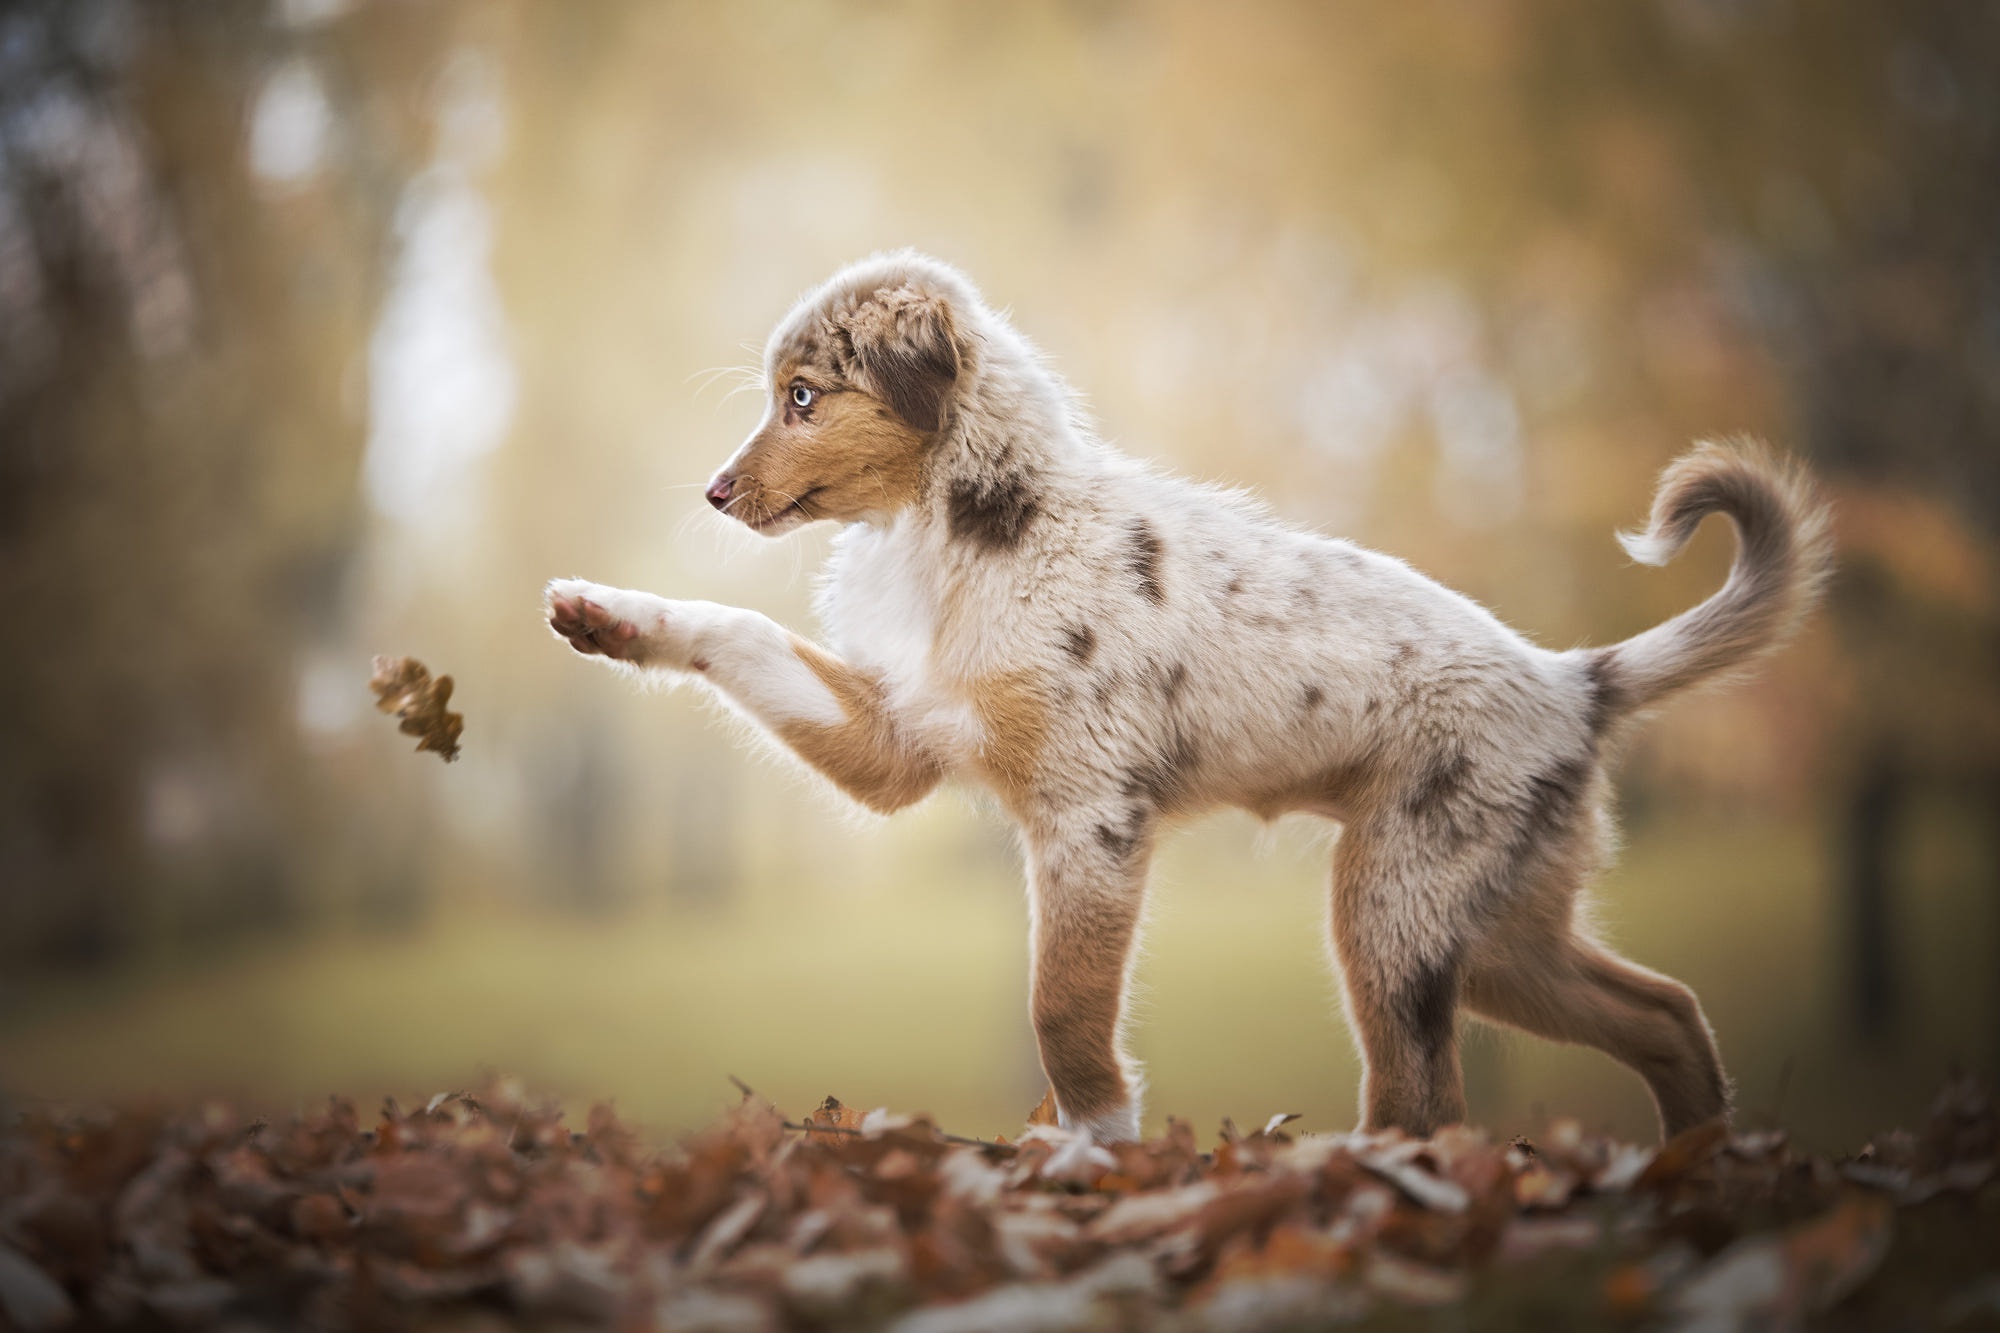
{"points": [[802, 397]]}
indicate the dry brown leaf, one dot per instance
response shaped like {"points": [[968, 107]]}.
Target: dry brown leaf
{"points": [[404, 686], [1045, 1111], [832, 1115], [1776, 1281], [1680, 1155], [1539, 1187], [489, 1207]]}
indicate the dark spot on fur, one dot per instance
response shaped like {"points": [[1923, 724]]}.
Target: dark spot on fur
{"points": [[1144, 561], [1602, 694], [1372, 704], [992, 514], [1121, 840], [1428, 1004], [1161, 779], [1314, 697], [1405, 650], [1539, 821], [1448, 813], [1341, 784], [1080, 641], [907, 354], [1441, 783], [1305, 596], [1553, 798], [1170, 684]]}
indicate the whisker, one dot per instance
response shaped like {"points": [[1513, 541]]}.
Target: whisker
{"points": [[680, 529], [743, 375]]}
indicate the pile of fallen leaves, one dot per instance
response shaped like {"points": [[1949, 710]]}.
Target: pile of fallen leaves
{"points": [[491, 1210]]}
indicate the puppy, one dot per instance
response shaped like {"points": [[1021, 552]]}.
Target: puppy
{"points": [[1107, 649]]}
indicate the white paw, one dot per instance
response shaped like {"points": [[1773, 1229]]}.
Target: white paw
{"points": [[1118, 1125], [622, 625]]}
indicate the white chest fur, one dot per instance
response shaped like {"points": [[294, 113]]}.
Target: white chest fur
{"points": [[880, 603]]}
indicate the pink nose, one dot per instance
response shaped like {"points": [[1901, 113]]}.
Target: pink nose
{"points": [[719, 491]]}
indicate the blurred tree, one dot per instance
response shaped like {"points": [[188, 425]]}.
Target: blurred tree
{"points": [[1857, 153], [1813, 187], [193, 226]]}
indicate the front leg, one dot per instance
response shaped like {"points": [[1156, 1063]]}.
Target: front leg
{"points": [[830, 714], [1087, 884]]}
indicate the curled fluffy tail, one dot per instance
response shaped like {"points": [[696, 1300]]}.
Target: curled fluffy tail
{"points": [[1784, 555]]}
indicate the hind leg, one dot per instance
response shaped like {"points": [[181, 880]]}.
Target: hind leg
{"points": [[1549, 979], [1400, 965]]}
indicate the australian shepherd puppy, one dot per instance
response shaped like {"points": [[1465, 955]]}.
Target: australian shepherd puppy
{"points": [[1107, 649]]}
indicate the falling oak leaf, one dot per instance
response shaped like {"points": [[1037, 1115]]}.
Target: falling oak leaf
{"points": [[405, 687]]}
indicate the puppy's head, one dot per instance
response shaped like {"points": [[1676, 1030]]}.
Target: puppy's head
{"points": [[859, 382]]}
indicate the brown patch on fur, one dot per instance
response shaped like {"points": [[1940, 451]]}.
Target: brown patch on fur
{"points": [[1402, 1006], [1014, 716], [847, 457], [1341, 792], [905, 350], [1571, 989], [1083, 937], [863, 756], [1080, 641]]}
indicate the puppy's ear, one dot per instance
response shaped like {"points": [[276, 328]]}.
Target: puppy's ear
{"points": [[906, 353]]}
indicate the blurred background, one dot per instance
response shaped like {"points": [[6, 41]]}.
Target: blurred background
{"points": [[330, 328]]}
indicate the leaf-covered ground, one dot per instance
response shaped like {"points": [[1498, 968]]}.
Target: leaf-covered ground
{"points": [[491, 1210]]}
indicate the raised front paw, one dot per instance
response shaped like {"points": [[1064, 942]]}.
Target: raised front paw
{"points": [[601, 621]]}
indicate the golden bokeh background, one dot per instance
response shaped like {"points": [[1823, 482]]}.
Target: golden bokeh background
{"points": [[336, 327]]}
